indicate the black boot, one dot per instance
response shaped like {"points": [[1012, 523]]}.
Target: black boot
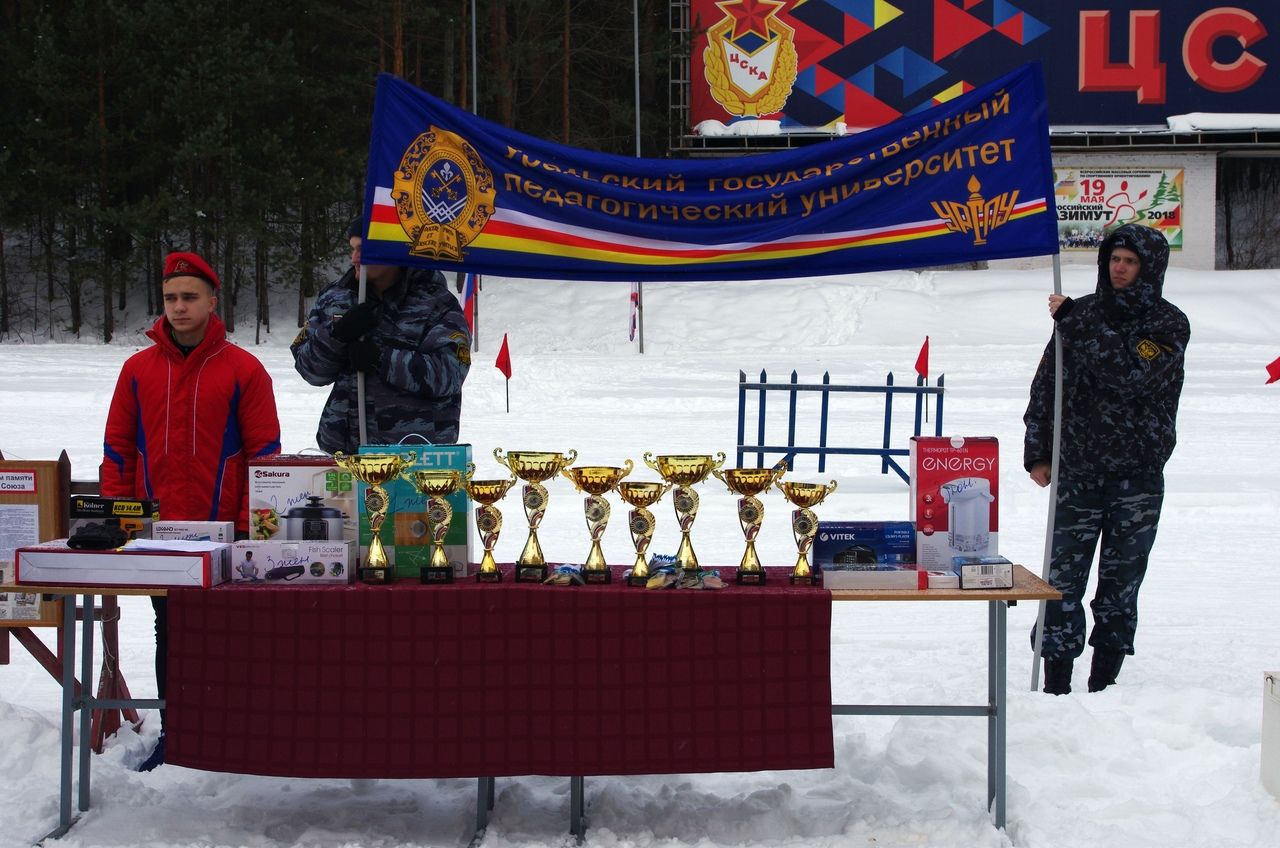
{"points": [[1057, 676], [1105, 667]]}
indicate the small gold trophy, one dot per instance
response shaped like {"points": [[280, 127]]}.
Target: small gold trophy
{"points": [[641, 495], [374, 469], [533, 467], [749, 482], [804, 525], [683, 472], [489, 522], [596, 480], [437, 484]]}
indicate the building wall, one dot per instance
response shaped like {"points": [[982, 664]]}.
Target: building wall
{"points": [[1199, 205]]}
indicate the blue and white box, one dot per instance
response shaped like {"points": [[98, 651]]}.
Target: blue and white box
{"points": [[849, 544]]}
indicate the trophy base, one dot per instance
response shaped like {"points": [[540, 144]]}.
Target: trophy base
{"points": [[436, 574], [749, 578], [597, 576], [814, 579], [638, 580], [531, 573], [375, 576], [488, 576]]}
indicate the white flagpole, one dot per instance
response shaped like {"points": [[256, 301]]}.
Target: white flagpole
{"points": [[1053, 478], [364, 428], [635, 17]]}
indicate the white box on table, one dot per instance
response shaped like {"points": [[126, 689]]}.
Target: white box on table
{"points": [[983, 572], [55, 564], [874, 576], [208, 531], [301, 497], [283, 562], [955, 503]]}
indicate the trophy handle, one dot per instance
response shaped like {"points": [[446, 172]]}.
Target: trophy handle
{"points": [[650, 461], [627, 466], [720, 477], [720, 461], [465, 477], [832, 487], [570, 456], [502, 459], [568, 475]]}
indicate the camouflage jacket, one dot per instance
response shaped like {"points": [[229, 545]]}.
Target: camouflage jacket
{"points": [[1122, 372], [417, 385]]}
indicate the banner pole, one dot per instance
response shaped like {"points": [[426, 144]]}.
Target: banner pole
{"points": [[475, 65], [1053, 478], [508, 387], [635, 19], [363, 427]]}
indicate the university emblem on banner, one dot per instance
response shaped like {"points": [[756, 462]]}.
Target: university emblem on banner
{"points": [[977, 215], [750, 57], [443, 193]]}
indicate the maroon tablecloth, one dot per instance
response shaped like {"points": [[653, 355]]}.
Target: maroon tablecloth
{"points": [[489, 680]]}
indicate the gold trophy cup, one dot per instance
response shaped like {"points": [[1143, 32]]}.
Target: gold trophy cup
{"points": [[683, 472], [437, 484], [489, 522], [804, 525], [596, 480], [374, 469], [533, 467], [641, 495], [749, 482]]}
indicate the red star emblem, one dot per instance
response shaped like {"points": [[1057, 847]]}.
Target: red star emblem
{"points": [[751, 15]]}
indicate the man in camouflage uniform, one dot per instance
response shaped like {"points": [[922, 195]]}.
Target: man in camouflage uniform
{"points": [[1122, 371], [409, 338]]}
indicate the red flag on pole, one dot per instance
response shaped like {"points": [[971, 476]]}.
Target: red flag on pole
{"points": [[1273, 371], [922, 361], [503, 362]]}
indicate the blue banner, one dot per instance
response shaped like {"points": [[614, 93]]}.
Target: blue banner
{"points": [[968, 180]]}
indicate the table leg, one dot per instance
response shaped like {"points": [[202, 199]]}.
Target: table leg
{"points": [[992, 703], [484, 803], [577, 822], [69, 696], [1002, 705], [86, 699]]}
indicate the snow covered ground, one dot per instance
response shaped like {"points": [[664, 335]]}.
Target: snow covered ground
{"points": [[1168, 757]]}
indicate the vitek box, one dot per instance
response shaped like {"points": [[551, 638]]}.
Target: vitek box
{"points": [[864, 542], [406, 532], [288, 562], [301, 497], [53, 563], [134, 517], [194, 531], [954, 498], [983, 572]]}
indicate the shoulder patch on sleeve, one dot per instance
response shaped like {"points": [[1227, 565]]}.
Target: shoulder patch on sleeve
{"points": [[300, 338], [1148, 349], [462, 347]]}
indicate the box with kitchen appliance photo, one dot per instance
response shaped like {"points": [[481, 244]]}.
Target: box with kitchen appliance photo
{"points": [[194, 531], [133, 516], [983, 572], [284, 563], [55, 564], [301, 497], [863, 543], [955, 484]]}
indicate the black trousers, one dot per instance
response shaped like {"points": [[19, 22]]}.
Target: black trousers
{"points": [[161, 606]]}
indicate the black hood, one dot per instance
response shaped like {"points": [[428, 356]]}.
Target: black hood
{"points": [[1148, 289]]}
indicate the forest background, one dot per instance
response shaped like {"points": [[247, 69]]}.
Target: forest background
{"points": [[240, 130]]}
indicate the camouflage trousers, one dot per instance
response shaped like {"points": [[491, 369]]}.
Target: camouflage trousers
{"points": [[1124, 512]]}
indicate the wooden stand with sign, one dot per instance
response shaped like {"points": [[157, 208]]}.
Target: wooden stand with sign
{"points": [[44, 486]]}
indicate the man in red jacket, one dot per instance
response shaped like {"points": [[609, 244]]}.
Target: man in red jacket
{"points": [[188, 413]]}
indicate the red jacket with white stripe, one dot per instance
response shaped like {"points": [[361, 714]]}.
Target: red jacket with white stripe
{"points": [[182, 429]]}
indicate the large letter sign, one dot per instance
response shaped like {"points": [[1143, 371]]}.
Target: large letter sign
{"points": [[1197, 50]]}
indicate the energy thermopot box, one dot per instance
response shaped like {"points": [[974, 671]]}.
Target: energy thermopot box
{"points": [[955, 484]]}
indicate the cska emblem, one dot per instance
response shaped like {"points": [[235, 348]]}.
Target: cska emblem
{"points": [[750, 57], [443, 193], [978, 215]]}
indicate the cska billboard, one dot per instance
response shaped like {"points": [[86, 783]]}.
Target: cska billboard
{"points": [[816, 63]]}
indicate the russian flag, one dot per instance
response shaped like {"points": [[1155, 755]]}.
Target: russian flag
{"points": [[470, 282]]}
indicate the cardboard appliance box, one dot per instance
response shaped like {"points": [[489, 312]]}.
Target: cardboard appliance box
{"points": [[406, 532], [287, 562], [281, 492], [983, 572], [55, 564], [955, 484], [207, 531], [864, 542], [135, 517], [874, 576]]}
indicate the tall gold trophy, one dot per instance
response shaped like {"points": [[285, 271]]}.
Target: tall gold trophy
{"points": [[683, 472], [489, 522], [641, 495], [804, 525], [596, 480], [533, 467], [437, 484], [374, 469], [749, 482]]}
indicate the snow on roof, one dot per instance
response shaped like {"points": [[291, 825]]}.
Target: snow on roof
{"points": [[1206, 121]]}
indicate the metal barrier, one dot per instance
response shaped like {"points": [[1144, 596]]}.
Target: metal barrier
{"points": [[794, 388]]}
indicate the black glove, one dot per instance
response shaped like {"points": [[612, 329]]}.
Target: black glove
{"points": [[364, 355], [357, 321]]}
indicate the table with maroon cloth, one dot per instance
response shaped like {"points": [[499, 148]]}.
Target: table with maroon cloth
{"points": [[472, 680]]}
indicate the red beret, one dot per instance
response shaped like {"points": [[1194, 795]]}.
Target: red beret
{"points": [[189, 265]]}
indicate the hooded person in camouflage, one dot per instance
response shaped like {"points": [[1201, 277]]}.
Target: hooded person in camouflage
{"points": [[1122, 372], [411, 340]]}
